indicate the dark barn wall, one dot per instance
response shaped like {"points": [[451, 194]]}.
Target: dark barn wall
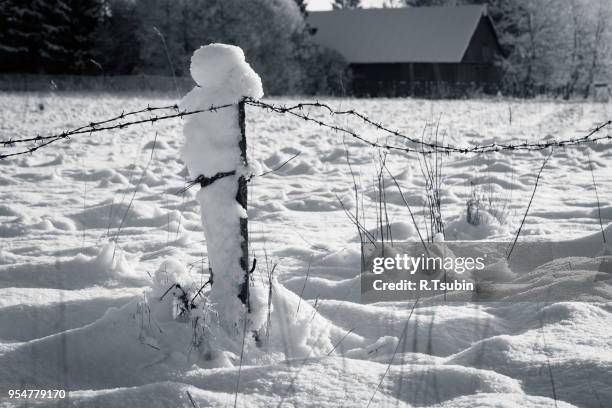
{"points": [[481, 54], [484, 46], [430, 80], [475, 71]]}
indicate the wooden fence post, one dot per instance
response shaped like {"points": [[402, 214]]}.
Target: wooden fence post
{"points": [[241, 197]]}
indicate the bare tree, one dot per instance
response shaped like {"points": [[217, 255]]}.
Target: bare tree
{"points": [[576, 48], [598, 44], [346, 4]]}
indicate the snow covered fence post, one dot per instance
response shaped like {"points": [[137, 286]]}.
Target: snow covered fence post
{"points": [[215, 154]]}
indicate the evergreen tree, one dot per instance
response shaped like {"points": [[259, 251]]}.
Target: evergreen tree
{"points": [[83, 19], [54, 31], [54, 36], [19, 36], [116, 48]]}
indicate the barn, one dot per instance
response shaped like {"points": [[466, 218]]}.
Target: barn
{"points": [[430, 51]]}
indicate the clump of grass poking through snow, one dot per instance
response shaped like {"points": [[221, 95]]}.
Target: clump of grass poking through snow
{"points": [[431, 169]]}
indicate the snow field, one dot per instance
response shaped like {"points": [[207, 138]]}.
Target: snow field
{"points": [[73, 316]]}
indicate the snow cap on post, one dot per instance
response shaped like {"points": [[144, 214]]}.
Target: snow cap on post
{"points": [[211, 138], [223, 67]]}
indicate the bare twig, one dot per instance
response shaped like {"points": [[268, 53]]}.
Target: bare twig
{"points": [[348, 162], [270, 293], [535, 187], [244, 330], [191, 400], [416, 226], [603, 233], [297, 310], [340, 341], [208, 282], [553, 386], [276, 168], [127, 210], [170, 65], [356, 222], [402, 336], [200, 179]]}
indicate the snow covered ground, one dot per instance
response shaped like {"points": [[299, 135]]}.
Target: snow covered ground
{"points": [[71, 300]]}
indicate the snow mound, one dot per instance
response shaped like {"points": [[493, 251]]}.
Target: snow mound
{"points": [[108, 268], [322, 382], [437, 330], [42, 312], [565, 345], [504, 400], [89, 357], [460, 230]]}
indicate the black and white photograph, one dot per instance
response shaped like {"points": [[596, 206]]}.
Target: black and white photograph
{"points": [[306, 203]]}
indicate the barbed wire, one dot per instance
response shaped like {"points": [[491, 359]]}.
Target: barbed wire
{"points": [[424, 147], [204, 181], [301, 111], [93, 127]]}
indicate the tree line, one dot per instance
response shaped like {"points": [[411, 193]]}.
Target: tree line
{"points": [[559, 47], [123, 37]]}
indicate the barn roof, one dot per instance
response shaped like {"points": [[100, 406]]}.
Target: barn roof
{"points": [[414, 34]]}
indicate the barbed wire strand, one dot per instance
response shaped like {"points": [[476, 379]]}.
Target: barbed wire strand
{"points": [[93, 127], [297, 110]]}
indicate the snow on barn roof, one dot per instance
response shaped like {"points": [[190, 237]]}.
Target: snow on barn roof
{"points": [[415, 34]]}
